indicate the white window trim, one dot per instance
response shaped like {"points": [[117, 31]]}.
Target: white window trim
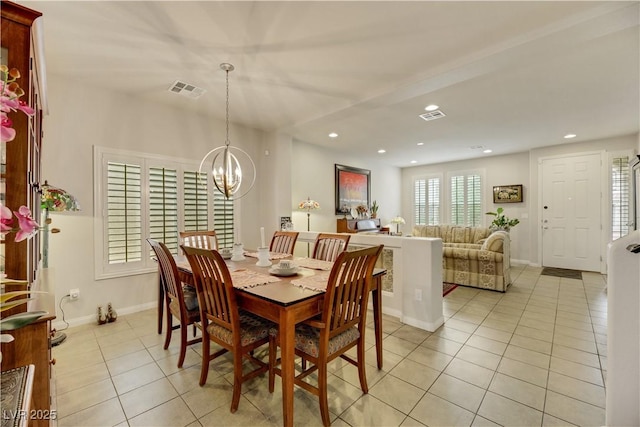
{"points": [[102, 155], [447, 198], [608, 196]]}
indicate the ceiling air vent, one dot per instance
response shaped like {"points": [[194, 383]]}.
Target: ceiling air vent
{"points": [[185, 89], [432, 115]]}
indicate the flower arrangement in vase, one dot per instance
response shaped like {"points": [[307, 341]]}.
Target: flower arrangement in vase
{"points": [[362, 211]]}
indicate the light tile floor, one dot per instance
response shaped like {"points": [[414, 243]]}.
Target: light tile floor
{"points": [[534, 356]]}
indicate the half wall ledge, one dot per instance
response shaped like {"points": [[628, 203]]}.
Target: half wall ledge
{"points": [[415, 293]]}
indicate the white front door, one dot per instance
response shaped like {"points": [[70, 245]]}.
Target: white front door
{"points": [[571, 212]]}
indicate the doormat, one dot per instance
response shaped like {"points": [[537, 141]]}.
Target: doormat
{"points": [[562, 272], [448, 287]]}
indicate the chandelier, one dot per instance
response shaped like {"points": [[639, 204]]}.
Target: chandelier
{"points": [[226, 172]]}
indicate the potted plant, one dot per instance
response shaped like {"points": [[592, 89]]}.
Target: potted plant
{"points": [[502, 222], [374, 209]]}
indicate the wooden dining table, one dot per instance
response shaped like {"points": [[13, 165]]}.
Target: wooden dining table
{"points": [[285, 304]]}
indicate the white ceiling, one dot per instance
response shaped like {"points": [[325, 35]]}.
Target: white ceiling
{"points": [[510, 76]]}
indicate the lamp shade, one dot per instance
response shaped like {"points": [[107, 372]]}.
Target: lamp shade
{"points": [[308, 205], [57, 199]]}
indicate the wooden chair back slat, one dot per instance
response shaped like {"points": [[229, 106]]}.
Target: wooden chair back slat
{"points": [[283, 242], [348, 289], [200, 239], [214, 286], [328, 246]]}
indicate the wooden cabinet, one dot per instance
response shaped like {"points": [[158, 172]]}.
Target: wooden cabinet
{"points": [[21, 169], [21, 186], [344, 225]]}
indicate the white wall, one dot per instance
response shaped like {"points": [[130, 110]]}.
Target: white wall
{"points": [[520, 168], [313, 172], [498, 170], [81, 117]]}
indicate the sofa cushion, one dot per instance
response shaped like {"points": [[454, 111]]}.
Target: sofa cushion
{"points": [[459, 235], [494, 242]]}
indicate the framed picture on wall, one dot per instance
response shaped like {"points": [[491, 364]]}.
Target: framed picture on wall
{"points": [[353, 188], [507, 194]]}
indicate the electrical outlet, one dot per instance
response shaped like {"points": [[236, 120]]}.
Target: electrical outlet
{"points": [[74, 293], [418, 294]]}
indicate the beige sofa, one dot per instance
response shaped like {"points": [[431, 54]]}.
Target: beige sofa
{"points": [[472, 256]]}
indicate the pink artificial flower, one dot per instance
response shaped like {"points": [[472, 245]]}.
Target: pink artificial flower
{"points": [[28, 227], [7, 132], [6, 219]]}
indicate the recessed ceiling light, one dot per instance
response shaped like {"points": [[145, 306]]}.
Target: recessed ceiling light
{"points": [[333, 135], [487, 151], [432, 107], [570, 135], [382, 151], [420, 143], [413, 161]]}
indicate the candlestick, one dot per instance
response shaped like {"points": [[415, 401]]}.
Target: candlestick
{"points": [[262, 245]]}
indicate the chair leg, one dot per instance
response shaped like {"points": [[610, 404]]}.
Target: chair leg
{"points": [[362, 371], [183, 344], [204, 371], [273, 350], [167, 339], [237, 380], [322, 394]]}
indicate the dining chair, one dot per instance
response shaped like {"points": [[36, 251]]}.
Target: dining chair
{"points": [[328, 246], [340, 327], [174, 295], [237, 331], [200, 239], [283, 242]]}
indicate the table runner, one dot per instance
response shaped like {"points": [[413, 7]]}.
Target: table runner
{"points": [[317, 282], [272, 255], [314, 264], [242, 278]]}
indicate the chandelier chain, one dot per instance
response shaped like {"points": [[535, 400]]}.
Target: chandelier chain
{"points": [[227, 142]]}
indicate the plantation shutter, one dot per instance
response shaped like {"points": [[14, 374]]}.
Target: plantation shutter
{"points": [[163, 207], [474, 200], [466, 200], [620, 177], [124, 216], [457, 200], [433, 196], [196, 206], [223, 219], [427, 201]]}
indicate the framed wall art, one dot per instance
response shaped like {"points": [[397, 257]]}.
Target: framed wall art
{"points": [[507, 194], [353, 188]]}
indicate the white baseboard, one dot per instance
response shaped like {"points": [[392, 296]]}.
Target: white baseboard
{"points": [[85, 320], [428, 326]]}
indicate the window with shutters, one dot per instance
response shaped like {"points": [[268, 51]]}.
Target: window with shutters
{"points": [[124, 213], [196, 202], [427, 201], [142, 196], [466, 199], [223, 219], [620, 180]]}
